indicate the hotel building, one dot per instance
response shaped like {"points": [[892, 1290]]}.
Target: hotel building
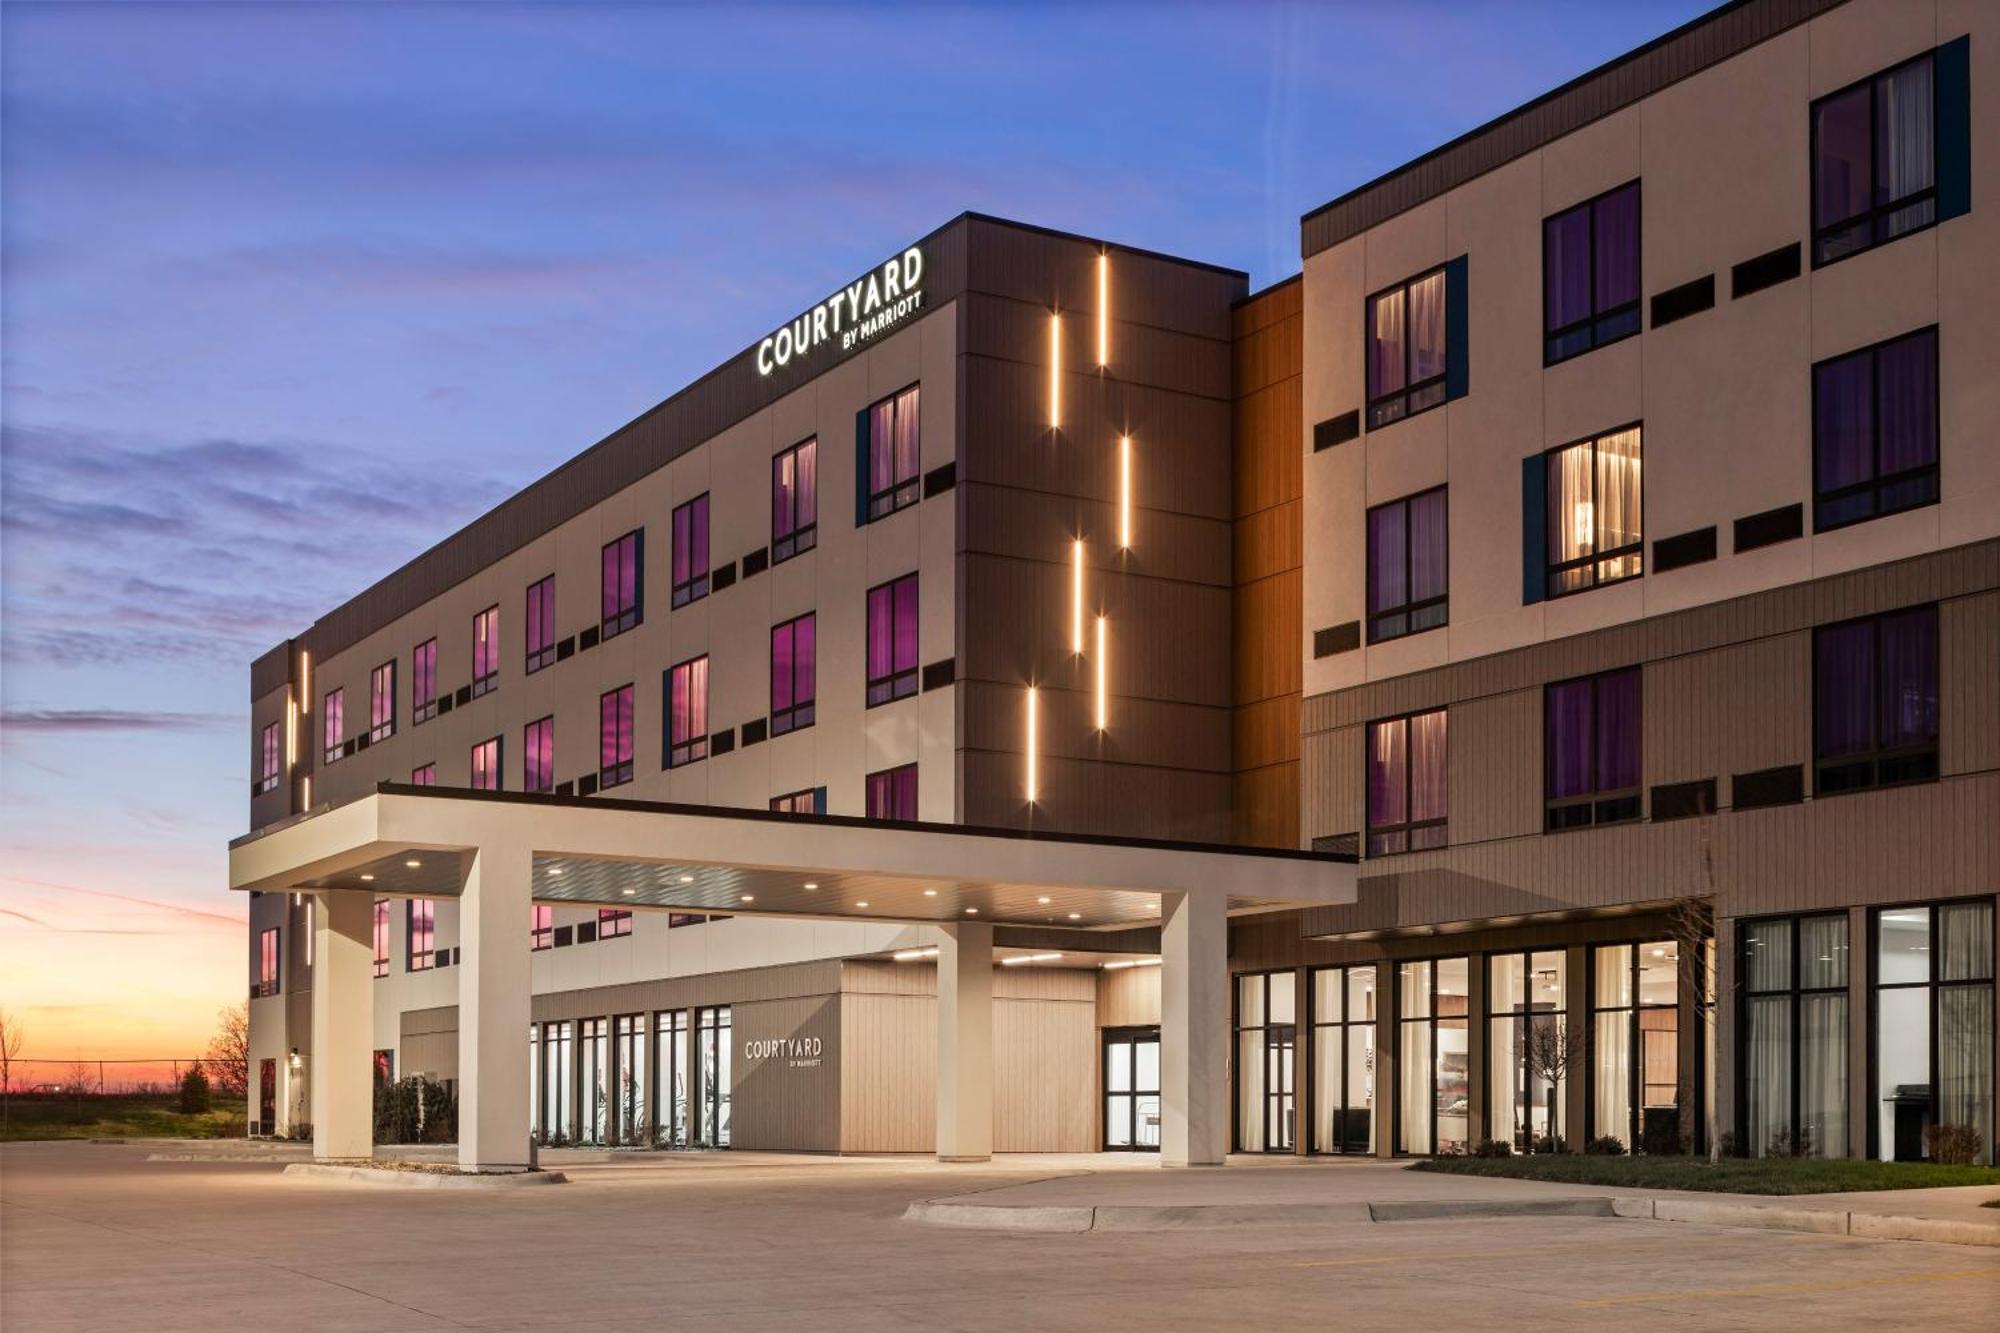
{"points": [[1534, 675]]}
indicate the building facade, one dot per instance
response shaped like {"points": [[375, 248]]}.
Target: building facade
{"points": [[1600, 538]]}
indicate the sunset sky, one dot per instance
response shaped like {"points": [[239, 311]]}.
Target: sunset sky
{"points": [[291, 292]]}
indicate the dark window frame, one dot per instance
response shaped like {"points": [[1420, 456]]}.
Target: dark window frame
{"points": [[423, 709], [1879, 482], [1348, 1028], [802, 537], [1924, 758], [541, 928], [543, 655], [1596, 322], [693, 749], [270, 748], [381, 731], [801, 714], [484, 684], [1404, 398], [1605, 805], [415, 959], [626, 616], [333, 700], [618, 773], [379, 935], [1409, 829], [889, 775], [1554, 569], [614, 922], [901, 682], [1282, 1109], [1935, 985], [1877, 213], [692, 589], [1793, 993], [1408, 611], [901, 492], [815, 795], [270, 964], [528, 747], [497, 769]]}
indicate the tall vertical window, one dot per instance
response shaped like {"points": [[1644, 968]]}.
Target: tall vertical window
{"points": [[538, 755], [795, 500], [892, 640], [687, 712], [540, 622], [1406, 349], [542, 928], [1595, 512], [1406, 566], [1591, 750], [424, 775], [890, 439], [1635, 1045], [613, 922], [691, 551], [1433, 1071], [1875, 701], [269, 747], [1794, 1037], [1343, 1021], [670, 1058], [1528, 1047], [421, 953], [1933, 1026], [333, 727], [712, 1076], [614, 737], [810, 801], [892, 793], [486, 765], [381, 937], [424, 682], [1875, 431], [628, 1057], [382, 702], [267, 964], [593, 1074], [623, 579], [792, 675], [1267, 1042], [1874, 161], [1590, 274], [1406, 783], [557, 1092], [485, 651]]}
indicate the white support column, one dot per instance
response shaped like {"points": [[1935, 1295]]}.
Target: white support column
{"points": [[1194, 1029], [494, 1006], [343, 1026], [965, 1044]]}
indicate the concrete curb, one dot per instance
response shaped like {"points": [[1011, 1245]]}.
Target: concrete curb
{"points": [[425, 1180], [1425, 1210], [1816, 1221]]}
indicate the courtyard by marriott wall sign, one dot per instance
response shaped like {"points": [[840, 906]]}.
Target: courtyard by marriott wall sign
{"points": [[854, 314]]}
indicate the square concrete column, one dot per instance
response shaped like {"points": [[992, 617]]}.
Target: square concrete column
{"points": [[965, 1044], [343, 1026], [494, 1006], [1194, 1029]]}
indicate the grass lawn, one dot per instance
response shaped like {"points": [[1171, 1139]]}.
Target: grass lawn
{"points": [[137, 1116], [1734, 1175]]}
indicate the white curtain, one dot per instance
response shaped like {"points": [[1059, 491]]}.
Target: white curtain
{"points": [[1767, 1072], [1612, 1070], [1823, 1073], [1618, 502], [1906, 159], [1572, 517]]}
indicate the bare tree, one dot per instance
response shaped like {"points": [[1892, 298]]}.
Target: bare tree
{"points": [[229, 1051], [1552, 1048], [1691, 923], [12, 1035]]}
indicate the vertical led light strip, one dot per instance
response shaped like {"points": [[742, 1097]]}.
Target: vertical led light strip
{"points": [[1125, 492], [1103, 705], [291, 730], [1103, 309], [1076, 596], [1034, 783], [1055, 372]]}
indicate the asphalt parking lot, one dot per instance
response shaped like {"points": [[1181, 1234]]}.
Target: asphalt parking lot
{"points": [[97, 1237]]}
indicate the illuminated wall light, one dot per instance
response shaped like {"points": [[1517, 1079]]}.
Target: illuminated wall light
{"points": [[1076, 596], [1034, 783], [1125, 492], [914, 955], [1055, 372], [1019, 959], [305, 681], [1103, 695], [306, 792], [1104, 310], [291, 730], [1124, 963]]}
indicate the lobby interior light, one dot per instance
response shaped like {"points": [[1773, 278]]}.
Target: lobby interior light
{"points": [[1125, 492], [1034, 776], [1055, 372], [1124, 963], [1102, 690], [1018, 959], [914, 955], [1103, 309], [1076, 595]]}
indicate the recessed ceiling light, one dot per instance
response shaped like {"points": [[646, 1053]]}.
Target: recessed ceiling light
{"points": [[1044, 901], [555, 870], [367, 879], [749, 897], [812, 886], [414, 865], [1076, 916], [687, 879], [930, 893], [972, 911], [630, 892], [861, 904]]}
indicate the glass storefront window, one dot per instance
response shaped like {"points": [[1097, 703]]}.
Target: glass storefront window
{"points": [[712, 1076], [591, 1060], [1344, 1059], [1794, 1038], [1933, 1026], [1529, 1047], [629, 1054], [1433, 1104], [1266, 1041], [1635, 1040], [670, 1062], [557, 1096]]}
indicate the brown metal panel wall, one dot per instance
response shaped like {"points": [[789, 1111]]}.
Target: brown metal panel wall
{"points": [[782, 1102], [1330, 783], [1968, 680], [1493, 759], [1731, 710], [789, 981]]}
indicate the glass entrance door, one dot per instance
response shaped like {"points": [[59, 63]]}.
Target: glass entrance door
{"points": [[1131, 1089]]}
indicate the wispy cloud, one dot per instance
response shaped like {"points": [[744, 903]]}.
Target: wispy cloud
{"points": [[61, 720]]}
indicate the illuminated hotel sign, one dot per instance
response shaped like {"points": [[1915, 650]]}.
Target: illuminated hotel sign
{"points": [[854, 314], [797, 1052]]}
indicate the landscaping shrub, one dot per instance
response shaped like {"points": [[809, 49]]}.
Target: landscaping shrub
{"points": [[439, 1108], [1783, 1144], [1493, 1148], [194, 1092], [1953, 1145], [1663, 1138], [396, 1112], [1549, 1143], [1605, 1145]]}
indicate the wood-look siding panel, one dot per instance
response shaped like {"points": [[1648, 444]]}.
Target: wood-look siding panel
{"points": [[1044, 1076], [1493, 767], [1729, 710], [1267, 617], [1267, 732], [1267, 806], [888, 1073], [1330, 783], [1268, 546], [1969, 684], [1109, 800], [1130, 996], [1033, 527], [1145, 732], [788, 1100], [1142, 355]]}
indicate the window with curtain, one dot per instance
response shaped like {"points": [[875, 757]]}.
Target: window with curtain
{"points": [[1933, 1049], [382, 702], [1591, 750], [269, 747], [893, 455], [421, 917], [542, 928], [1793, 1079], [1406, 783], [485, 651], [614, 737], [793, 672], [892, 640], [809, 801], [538, 622], [1266, 1036], [1875, 431], [1875, 701], [381, 937], [687, 712], [538, 755], [1529, 1047], [621, 585], [1434, 1088], [1590, 274], [892, 793], [1874, 161], [795, 501], [1343, 1026], [424, 775], [628, 1053], [424, 681], [1635, 1045], [1406, 349], [1595, 512], [690, 555], [1407, 590], [267, 965], [486, 765], [332, 723]]}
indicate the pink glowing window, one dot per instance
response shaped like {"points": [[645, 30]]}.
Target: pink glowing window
{"points": [[540, 622], [622, 604], [332, 724], [538, 756], [691, 551], [485, 651], [424, 682], [614, 737], [687, 712], [486, 765], [423, 934], [892, 640], [792, 675]]}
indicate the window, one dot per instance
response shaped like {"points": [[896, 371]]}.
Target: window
{"points": [[382, 702], [267, 964], [1933, 1051], [538, 756], [614, 737], [811, 801], [1267, 1039], [1433, 1092], [1590, 274], [268, 746], [624, 574], [424, 682], [425, 776], [1592, 750], [687, 712], [889, 441], [795, 500], [612, 922], [670, 1057], [557, 1091], [486, 651], [792, 675], [1529, 1047], [1793, 1085], [332, 726], [1635, 1046], [592, 1074], [628, 1056], [712, 1080], [1874, 161], [892, 640], [892, 793], [486, 765], [385, 1069], [1875, 431], [421, 914], [1406, 349], [1343, 1027], [1406, 783], [1875, 701], [1594, 513], [1406, 566], [381, 937], [691, 551], [542, 928], [541, 622]]}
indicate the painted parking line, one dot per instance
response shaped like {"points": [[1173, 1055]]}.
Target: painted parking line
{"points": [[1799, 1288]]}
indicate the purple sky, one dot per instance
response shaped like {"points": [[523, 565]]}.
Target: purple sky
{"points": [[292, 292]]}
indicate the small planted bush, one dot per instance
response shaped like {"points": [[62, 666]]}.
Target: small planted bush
{"points": [[1605, 1145], [1549, 1143], [1953, 1145], [1493, 1148], [194, 1095]]}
